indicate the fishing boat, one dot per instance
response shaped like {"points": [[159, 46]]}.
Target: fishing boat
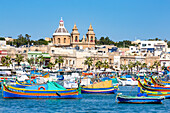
{"points": [[100, 87], [139, 100], [48, 90], [153, 88], [155, 93]]}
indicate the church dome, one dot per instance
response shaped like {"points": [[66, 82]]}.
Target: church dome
{"points": [[61, 30]]}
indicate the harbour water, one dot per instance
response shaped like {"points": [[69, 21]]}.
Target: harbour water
{"points": [[89, 103]]}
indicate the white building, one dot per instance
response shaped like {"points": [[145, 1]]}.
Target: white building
{"points": [[155, 47], [165, 59]]}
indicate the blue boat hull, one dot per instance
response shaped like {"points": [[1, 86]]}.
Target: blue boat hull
{"points": [[138, 101]]}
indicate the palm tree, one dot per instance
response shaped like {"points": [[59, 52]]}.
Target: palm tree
{"points": [[144, 65], [123, 67], [19, 59], [157, 64], [130, 66], [151, 67], [98, 64], [60, 60], [6, 61], [105, 65], [50, 65], [137, 64], [41, 60], [28, 38], [89, 62], [30, 61], [163, 67]]}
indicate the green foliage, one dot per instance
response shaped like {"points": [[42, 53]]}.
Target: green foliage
{"points": [[156, 39], [104, 41], [30, 61], [6, 61], [98, 64], [19, 59], [25, 40], [123, 67], [120, 44], [151, 67], [41, 60], [50, 65], [59, 60], [105, 65], [157, 64], [2, 38], [89, 62], [168, 44], [131, 65]]}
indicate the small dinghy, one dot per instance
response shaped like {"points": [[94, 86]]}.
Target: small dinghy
{"points": [[139, 100]]}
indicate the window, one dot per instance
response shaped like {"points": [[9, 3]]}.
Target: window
{"points": [[76, 39], [91, 38], [149, 44], [52, 51], [73, 62], [64, 40], [131, 48], [58, 40], [143, 45]]}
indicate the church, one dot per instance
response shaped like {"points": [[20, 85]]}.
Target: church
{"points": [[62, 38]]}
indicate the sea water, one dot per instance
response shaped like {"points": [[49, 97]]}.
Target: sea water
{"points": [[89, 103]]}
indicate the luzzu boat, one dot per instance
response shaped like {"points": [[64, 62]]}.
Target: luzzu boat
{"points": [[101, 87], [150, 88], [155, 93], [49, 90], [22, 85], [139, 100]]}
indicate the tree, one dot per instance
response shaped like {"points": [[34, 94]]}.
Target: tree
{"points": [[41, 60], [105, 65], [89, 62], [30, 61], [163, 67], [59, 61], [123, 67], [19, 59], [98, 64], [130, 66], [157, 64], [168, 43], [50, 65], [28, 38], [144, 65], [137, 64], [151, 67], [6, 61]]}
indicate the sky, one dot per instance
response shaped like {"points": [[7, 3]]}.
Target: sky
{"points": [[117, 19]]}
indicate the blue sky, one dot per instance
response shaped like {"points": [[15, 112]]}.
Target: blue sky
{"points": [[117, 19]]}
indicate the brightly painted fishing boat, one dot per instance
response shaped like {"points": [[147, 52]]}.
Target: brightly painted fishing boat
{"points": [[139, 100], [20, 84], [101, 87], [156, 82], [49, 90], [151, 88], [155, 93]]}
